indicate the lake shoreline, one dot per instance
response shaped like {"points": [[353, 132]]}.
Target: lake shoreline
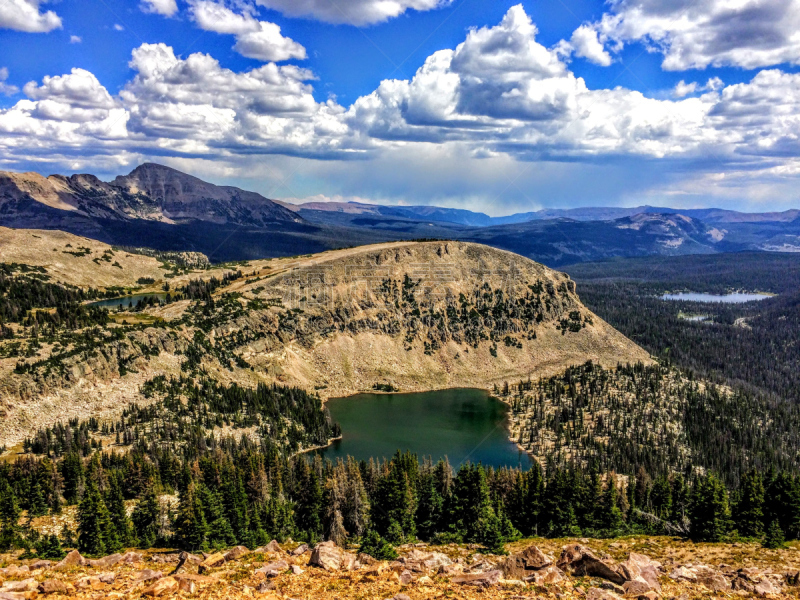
{"points": [[732, 297], [462, 424], [320, 447]]}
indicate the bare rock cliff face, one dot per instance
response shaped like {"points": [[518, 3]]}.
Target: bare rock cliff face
{"points": [[425, 316]]}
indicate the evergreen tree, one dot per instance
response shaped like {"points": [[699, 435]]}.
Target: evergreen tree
{"points": [[774, 538], [308, 508], [429, 507], [750, 505], [710, 512], [9, 516], [49, 547], [661, 497], [377, 547], [782, 504], [146, 518], [37, 504], [355, 504], [611, 516], [55, 502], [278, 523], [491, 534], [394, 502], [9, 508], [190, 524], [680, 499], [234, 503], [72, 473], [115, 502], [96, 532], [219, 533]]}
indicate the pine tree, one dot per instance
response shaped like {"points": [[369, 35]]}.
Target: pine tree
{"points": [[782, 503], [278, 523], [334, 501], [146, 519], [661, 497], [72, 472], [234, 503], [219, 532], [37, 504], [55, 502], [9, 516], [491, 533], [394, 502], [96, 532], [774, 538], [680, 499], [355, 507], [49, 547], [750, 505], [9, 509], [710, 512], [115, 502], [377, 547], [190, 524], [308, 509], [429, 508], [611, 519]]}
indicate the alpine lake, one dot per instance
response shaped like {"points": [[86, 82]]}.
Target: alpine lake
{"points": [[463, 425]]}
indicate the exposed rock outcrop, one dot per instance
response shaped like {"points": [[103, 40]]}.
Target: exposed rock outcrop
{"points": [[328, 556]]}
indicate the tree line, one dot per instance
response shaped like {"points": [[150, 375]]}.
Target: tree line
{"points": [[237, 492]]}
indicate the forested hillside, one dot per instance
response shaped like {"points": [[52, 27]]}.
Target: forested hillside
{"points": [[210, 436], [755, 345]]}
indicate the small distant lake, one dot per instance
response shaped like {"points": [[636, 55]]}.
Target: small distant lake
{"points": [[461, 424], [696, 318], [736, 298], [125, 301]]}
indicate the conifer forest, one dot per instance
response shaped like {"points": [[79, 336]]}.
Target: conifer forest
{"points": [[691, 445]]}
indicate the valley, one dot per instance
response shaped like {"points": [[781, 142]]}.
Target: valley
{"points": [[416, 316], [399, 300], [323, 396]]}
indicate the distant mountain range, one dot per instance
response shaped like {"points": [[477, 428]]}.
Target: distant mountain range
{"points": [[477, 219], [165, 209]]}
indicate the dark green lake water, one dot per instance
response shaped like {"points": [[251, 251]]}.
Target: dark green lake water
{"points": [[126, 301], [462, 424]]}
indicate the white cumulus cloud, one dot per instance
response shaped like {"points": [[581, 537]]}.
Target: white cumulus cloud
{"points": [[695, 35], [586, 44], [25, 15], [256, 39], [352, 12], [470, 114], [6, 88], [160, 7]]}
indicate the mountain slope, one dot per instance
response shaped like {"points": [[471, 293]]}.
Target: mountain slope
{"points": [[415, 316], [564, 241], [159, 207], [150, 192]]}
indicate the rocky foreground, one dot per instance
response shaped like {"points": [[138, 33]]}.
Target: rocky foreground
{"points": [[560, 569]]}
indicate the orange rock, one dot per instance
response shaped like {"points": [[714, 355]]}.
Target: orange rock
{"points": [[30, 595], [165, 585], [211, 561], [236, 553], [26, 585], [52, 586], [73, 559]]}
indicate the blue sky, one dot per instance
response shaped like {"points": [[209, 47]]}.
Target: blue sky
{"points": [[497, 106]]}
